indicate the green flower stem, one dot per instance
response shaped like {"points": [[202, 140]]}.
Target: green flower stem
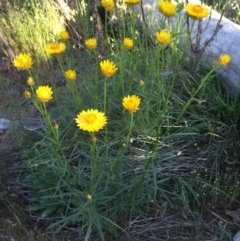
{"points": [[145, 169], [132, 69], [105, 111], [105, 38], [123, 150], [122, 68], [34, 76], [163, 21], [60, 64], [155, 60], [160, 79], [133, 20], [130, 129], [52, 131], [61, 158], [72, 86], [94, 160], [105, 96], [204, 80], [46, 116], [176, 69], [96, 78], [29, 73], [191, 29]]}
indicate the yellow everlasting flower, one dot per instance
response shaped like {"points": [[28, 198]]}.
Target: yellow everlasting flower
{"points": [[23, 61], [44, 93], [91, 43], [131, 103], [214, 62], [163, 37], [167, 8], [108, 4], [89, 196], [91, 120], [132, 2], [70, 75], [141, 82], [55, 48], [108, 68], [64, 35], [30, 81], [27, 94], [196, 11], [224, 59], [128, 43]]}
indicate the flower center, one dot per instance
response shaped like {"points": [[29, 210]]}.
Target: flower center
{"points": [[55, 46], [45, 94], [90, 118], [131, 104], [197, 8]]}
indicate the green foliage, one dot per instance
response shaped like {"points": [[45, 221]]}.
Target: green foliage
{"points": [[179, 148], [229, 8], [30, 25]]}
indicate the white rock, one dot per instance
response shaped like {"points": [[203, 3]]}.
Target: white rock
{"points": [[4, 125], [237, 236], [226, 41]]}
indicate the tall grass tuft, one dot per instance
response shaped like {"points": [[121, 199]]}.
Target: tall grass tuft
{"points": [[30, 25]]}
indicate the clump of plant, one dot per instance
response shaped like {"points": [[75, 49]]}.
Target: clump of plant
{"points": [[118, 135]]}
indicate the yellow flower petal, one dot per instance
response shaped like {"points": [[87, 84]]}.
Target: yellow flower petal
{"points": [[44, 93], [196, 11], [108, 68], [27, 94], [91, 43], [132, 2], [70, 75], [167, 8], [64, 35], [91, 120], [55, 48], [224, 59], [108, 5], [141, 82], [89, 196], [128, 43], [30, 81], [23, 61], [131, 103], [163, 37]]}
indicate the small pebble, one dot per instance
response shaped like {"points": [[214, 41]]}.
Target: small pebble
{"points": [[4, 125]]}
